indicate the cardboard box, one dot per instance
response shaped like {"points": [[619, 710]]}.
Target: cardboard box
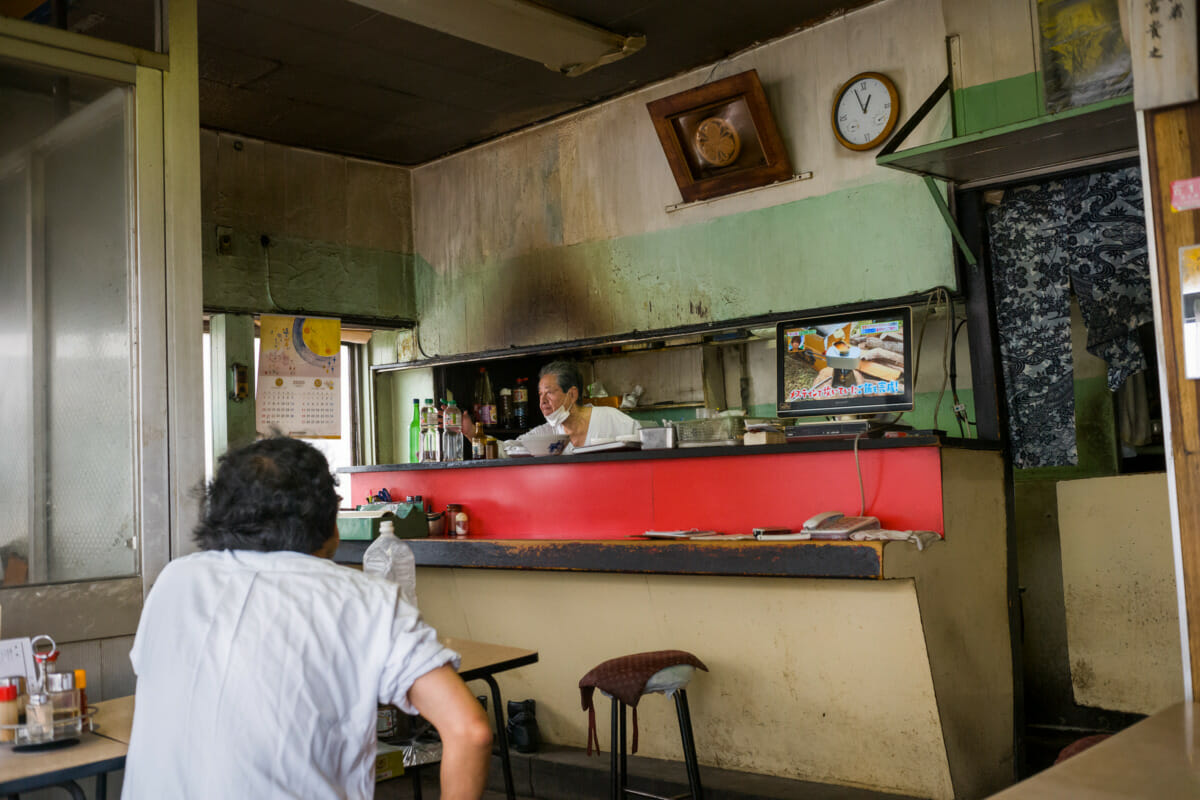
{"points": [[765, 437], [389, 761]]}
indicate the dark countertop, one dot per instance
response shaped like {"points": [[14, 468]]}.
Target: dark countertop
{"points": [[815, 445], [746, 557]]}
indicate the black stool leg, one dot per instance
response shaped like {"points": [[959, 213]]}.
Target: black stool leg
{"points": [[624, 772], [416, 783], [689, 745], [614, 781]]}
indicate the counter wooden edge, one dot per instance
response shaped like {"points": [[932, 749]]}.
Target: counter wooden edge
{"points": [[803, 559], [814, 446]]}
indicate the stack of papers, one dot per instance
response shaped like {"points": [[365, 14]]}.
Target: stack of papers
{"points": [[787, 536]]}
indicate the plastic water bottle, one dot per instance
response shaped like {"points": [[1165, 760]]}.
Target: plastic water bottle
{"points": [[431, 445], [391, 558], [452, 441]]}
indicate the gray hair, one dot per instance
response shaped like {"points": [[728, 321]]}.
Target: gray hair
{"points": [[565, 373]]}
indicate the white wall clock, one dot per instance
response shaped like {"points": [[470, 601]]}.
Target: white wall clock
{"points": [[865, 110]]}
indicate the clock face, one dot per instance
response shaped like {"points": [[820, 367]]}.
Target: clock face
{"points": [[717, 142], [865, 111]]}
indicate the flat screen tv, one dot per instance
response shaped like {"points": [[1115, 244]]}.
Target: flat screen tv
{"points": [[849, 363]]}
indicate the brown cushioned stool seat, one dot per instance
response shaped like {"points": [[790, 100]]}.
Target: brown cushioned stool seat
{"points": [[626, 679]]}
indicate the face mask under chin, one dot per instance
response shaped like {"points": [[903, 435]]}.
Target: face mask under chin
{"points": [[559, 415]]}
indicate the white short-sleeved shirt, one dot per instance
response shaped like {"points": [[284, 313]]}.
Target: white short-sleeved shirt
{"points": [[605, 424], [259, 676]]}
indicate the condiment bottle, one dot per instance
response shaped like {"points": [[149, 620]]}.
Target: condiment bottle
{"points": [[18, 682], [521, 404], [479, 443], [462, 524], [506, 407], [414, 433], [9, 715], [452, 510], [39, 716], [485, 400], [81, 685], [64, 698]]}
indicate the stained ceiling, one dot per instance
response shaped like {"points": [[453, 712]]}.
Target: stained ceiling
{"points": [[336, 76]]}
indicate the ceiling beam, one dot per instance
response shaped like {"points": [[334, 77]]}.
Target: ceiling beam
{"points": [[564, 44]]}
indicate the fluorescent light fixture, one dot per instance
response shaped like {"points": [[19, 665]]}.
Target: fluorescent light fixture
{"points": [[564, 44]]}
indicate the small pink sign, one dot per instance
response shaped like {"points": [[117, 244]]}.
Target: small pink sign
{"points": [[1185, 194]]}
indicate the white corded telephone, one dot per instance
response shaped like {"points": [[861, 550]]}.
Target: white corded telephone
{"points": [[835, 521]]}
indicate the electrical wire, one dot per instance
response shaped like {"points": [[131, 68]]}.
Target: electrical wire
{"points": [[862, 495], [937, 407], [416, 329], [265, 241], [954, 378]]}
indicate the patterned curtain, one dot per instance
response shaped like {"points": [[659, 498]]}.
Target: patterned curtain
{"points": [[1085, 231]]}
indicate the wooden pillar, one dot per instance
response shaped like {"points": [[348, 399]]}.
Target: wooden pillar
{"points": [[1173, 153]]}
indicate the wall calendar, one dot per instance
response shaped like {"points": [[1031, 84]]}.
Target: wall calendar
{"points": [[299, 376]]}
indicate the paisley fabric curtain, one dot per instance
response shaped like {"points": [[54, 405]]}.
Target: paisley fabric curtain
{"points": [[1085, 232]]}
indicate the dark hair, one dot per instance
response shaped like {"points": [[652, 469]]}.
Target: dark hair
{"points": [[566, 373], [274, 494]]}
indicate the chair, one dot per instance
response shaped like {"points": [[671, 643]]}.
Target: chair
{"points": [[626, 680]]}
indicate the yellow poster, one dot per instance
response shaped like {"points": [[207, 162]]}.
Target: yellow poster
{"points": [[1189, 283], [299, 376]]}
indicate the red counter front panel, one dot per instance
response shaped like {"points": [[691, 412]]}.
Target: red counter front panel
{"points": [[542, 499]]}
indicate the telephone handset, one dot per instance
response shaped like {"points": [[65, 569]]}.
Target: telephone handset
{"points": [[837, 522]]}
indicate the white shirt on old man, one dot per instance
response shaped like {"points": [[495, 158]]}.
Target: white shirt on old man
{"points": [[259, 675]]}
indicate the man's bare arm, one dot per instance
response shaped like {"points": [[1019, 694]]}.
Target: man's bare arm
{"points": [[443, 699]]}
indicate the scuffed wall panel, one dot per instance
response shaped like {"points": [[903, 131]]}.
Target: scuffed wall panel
{"points": [[338, 231], [1119, 588], [561, 231]]}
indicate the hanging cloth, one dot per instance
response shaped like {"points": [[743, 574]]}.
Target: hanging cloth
{"points": [[1088, 231]]}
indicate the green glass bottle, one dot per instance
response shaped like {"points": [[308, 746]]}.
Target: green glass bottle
{"points": [[414, 433]]}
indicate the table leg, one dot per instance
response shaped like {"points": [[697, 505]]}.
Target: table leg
{"points": [[73, 789], [102, 786], [502, 738]]}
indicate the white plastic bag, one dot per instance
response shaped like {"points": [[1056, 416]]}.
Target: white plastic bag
{"points": [[391, 558]]}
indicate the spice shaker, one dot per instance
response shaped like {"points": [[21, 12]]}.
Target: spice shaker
{"points": [[462, 523]]}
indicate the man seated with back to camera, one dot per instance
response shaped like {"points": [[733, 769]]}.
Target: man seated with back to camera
{"points": [[260, 662]]}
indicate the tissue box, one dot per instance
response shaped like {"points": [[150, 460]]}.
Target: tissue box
{"points": [[408, 521], [361, 526]]}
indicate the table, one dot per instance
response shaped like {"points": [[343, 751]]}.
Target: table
{"points": [[481, 661], [1157, 757], [96, 754]]}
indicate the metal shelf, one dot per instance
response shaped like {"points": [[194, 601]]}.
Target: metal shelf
{"points": [[1097, 133]]}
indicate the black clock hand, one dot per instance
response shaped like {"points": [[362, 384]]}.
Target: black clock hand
{"points": [[860, 102], [866, 104]]}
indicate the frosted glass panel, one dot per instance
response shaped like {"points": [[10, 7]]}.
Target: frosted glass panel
{"points": [[65, 320], [16, 445]]}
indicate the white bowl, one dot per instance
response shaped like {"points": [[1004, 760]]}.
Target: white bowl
{"points": [[544, 444]]}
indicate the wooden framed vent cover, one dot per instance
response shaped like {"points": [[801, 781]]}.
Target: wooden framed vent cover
{"points": [[720, 138]]}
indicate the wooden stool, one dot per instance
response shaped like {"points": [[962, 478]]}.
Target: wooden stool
{"points": [[626, 680]]}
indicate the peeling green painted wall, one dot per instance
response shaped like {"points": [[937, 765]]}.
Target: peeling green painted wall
{"points": [[296, 231], [880, 240]]}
